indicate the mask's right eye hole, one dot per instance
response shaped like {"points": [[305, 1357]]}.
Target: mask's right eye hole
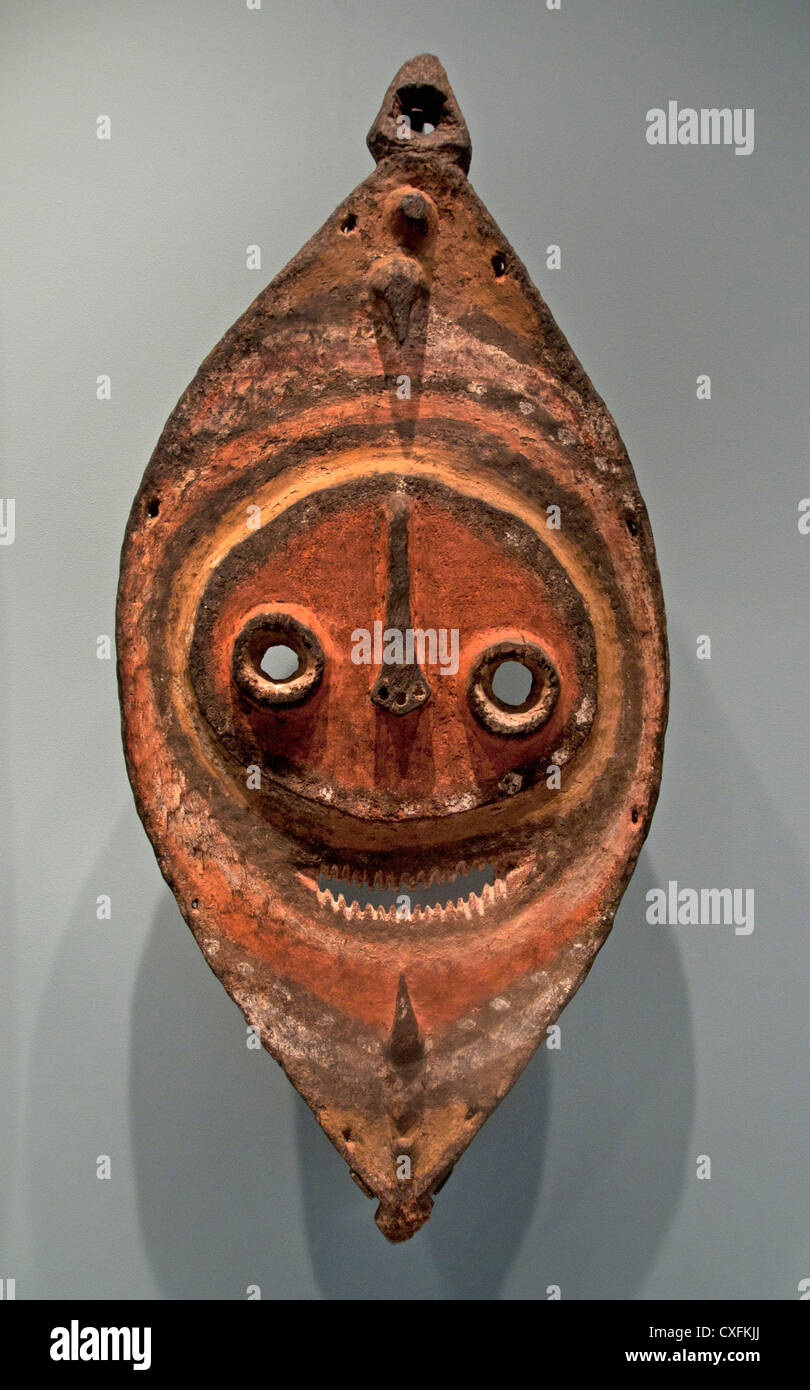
{"points": [[512, 683], [277, 661]]}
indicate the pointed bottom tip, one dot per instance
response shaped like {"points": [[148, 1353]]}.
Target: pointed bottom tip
{"points": [[398, 1223]]}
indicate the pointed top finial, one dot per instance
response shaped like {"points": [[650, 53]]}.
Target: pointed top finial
{"points": [[420, 116]]}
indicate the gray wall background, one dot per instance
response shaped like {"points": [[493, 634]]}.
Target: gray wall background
{"points": [[127, 257]]}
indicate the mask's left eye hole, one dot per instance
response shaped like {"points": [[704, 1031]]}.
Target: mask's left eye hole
{"points": [[514, 688], [277, 661]]}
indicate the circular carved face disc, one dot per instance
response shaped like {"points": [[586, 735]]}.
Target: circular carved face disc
{"points": [[392, 663], [393, 718]]}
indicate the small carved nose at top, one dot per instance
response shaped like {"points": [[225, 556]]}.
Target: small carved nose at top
{"points": [[400, 689], [399, 284]]}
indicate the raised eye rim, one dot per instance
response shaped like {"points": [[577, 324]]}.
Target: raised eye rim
{"points": [[264, 630], [539, 705]]}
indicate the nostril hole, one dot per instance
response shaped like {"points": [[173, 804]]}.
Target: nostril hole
{"points": [[280, 662], [383, 692], [499, 264], [349, 223], [402, 698], [153, 506]]}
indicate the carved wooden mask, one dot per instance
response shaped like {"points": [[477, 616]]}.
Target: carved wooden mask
{"points": [[393, 470]]}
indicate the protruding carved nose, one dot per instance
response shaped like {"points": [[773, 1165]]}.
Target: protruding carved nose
{"points": [[400, 689], [403, 687], [399, 286]]}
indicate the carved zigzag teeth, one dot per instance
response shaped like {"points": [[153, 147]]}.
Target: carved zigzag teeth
{"points": [[375, 897], [469, 906], [431, 912]]}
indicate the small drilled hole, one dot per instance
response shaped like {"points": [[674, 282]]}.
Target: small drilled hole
{"points": [[347, 1135], [499, 264], [280, 662], [634, 816], [631, 524], [402, 698], [383, 692], [153, 506], [512, 683], [349, 223], [195, 902]]}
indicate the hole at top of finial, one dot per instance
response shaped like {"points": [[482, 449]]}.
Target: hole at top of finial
{"points": [[423, 105]]}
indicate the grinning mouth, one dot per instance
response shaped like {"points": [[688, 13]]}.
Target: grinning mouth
{"points": [[386, 897]]}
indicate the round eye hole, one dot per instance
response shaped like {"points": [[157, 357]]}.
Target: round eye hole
{"points": [[276, 660], [514, 688]]}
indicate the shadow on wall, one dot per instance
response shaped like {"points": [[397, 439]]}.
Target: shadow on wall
{"points": [[572, 1181], [575, 1176], [211, 1125], [140, 1054]]}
